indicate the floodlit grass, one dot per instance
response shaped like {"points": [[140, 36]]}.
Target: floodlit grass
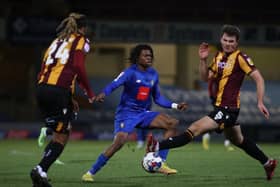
{"points": [[216, 167]]}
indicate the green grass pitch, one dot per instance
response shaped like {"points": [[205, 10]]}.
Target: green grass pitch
{"points": [[216, 167]]}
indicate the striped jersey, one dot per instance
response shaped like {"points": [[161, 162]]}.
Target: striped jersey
{"points": [[229, 72], [61, 65]]}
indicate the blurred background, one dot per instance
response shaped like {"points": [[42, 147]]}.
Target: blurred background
{"points": [[173, 28]]}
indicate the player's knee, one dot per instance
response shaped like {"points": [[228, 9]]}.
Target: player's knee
{"points": [[117, 145], [121, 139]]}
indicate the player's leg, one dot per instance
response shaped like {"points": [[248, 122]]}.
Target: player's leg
{"points": [[199, 127], [42, 137], [206, 141], [235, 135], [119, 140], [59, 162], [228, 146], [54, 149], [53, 102], [44, 132], [162, 121], [51, 153]]}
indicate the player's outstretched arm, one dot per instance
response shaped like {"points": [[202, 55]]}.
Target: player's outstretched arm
{"points": [[203, 53]]}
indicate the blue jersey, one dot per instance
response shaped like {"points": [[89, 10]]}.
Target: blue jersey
{"points": [[140, 89]]}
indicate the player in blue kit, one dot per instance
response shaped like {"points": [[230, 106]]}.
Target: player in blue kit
{"points": [[140, 84]]}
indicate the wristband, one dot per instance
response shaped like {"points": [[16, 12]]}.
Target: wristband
{"points": [[174, 105]]}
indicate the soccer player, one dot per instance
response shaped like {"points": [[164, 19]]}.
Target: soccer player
{"points": [[212, 91], [62, 65], [140, 84], [229, 67]]}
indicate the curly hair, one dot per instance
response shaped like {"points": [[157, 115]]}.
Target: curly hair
{"points": [[136, 51], [70, 25]]}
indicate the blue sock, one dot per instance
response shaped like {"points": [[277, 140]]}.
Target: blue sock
{"points": [[163, 154], [100, 162]]}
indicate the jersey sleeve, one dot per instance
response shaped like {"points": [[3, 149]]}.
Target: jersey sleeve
{"points": [[82, 47], [79, 63], [117, 82], [212, 66], [246, 63]]}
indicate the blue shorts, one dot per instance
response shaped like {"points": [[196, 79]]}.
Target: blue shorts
{"points": [[128, 121]]}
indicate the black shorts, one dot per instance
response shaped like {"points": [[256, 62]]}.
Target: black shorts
{"points": [[224, 116], [56, 106]]}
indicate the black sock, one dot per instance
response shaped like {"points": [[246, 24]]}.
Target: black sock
{"points": [[253, 150], [49, 131], [176, 141], [52, 152]]}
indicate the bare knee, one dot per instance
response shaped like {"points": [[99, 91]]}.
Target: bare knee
{"points": [[119, 141]]}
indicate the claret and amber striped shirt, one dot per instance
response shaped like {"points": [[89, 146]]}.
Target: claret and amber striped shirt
{"points": [[63, 64], [229, 72]]}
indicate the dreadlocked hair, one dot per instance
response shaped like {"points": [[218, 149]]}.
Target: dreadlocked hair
{"points": [[70, 25], [136, 51]]}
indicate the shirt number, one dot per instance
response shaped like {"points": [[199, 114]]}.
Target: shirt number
{"points": [[219, 115], [61, 54]]}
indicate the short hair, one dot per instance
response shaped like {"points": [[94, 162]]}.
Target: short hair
{"points": [[70, 25], [231, 30], [136, 51]]}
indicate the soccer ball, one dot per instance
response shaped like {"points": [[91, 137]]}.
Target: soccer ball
{"points": [[151, 162]]}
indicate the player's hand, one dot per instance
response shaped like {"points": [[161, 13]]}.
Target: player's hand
{"points": [[203, 51], [182, 106], [75, 104], [264, 110], [100, 97], [92, 99]]}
